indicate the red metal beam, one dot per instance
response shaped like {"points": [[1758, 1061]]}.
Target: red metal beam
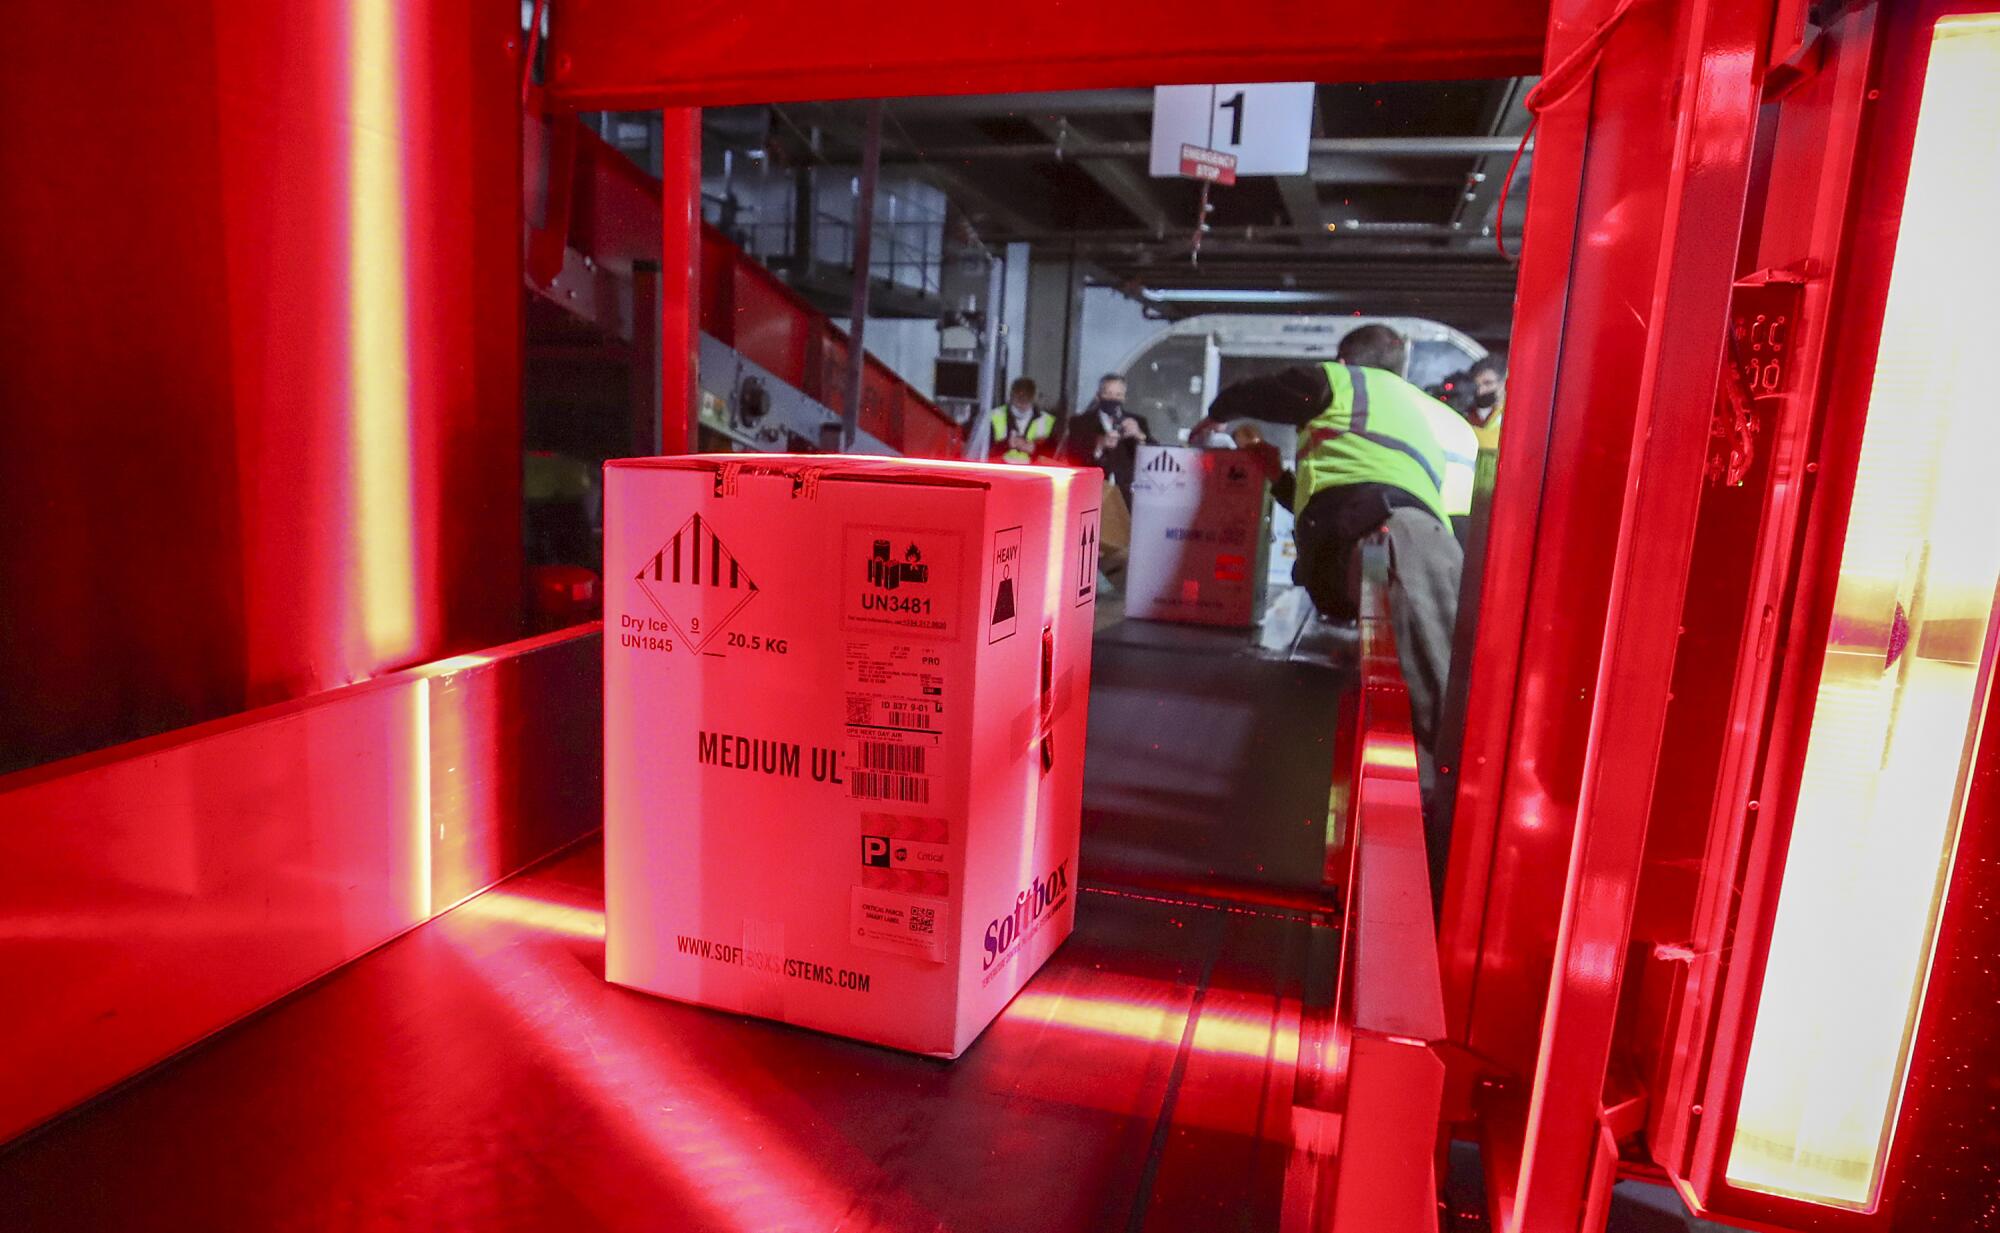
{"points": [[643, 53], [1719, 47], [680, 278]]}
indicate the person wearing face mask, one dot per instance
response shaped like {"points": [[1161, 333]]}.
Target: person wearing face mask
{"points": [[1021, 432], [1107, 436], [1489, 399]]}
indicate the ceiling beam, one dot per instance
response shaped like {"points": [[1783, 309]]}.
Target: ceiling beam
{"points": [[1302, 204], [989, 214], [1079, 147], [1476, 216], [1053, 103], [987, 211], [1125, 184]]}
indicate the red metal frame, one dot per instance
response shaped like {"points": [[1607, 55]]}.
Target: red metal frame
{"points": [[1388, 1079], [1595, 514], [1886, 131], [1591, 525], [1738, 589], [681, 260], [631, 53], [1707, 180]]}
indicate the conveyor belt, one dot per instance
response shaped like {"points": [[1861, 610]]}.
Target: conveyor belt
{"points": [[479, 1074], [1211, 754]]}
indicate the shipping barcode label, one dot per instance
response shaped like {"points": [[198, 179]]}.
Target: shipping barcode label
{"points": [[895, 714], [884, 786], [884, 756]]}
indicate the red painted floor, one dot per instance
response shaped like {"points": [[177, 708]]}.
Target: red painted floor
{"points": [[479, 1074]]}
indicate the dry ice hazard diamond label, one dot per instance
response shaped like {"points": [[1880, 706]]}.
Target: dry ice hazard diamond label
{"points": [[697, 583]]}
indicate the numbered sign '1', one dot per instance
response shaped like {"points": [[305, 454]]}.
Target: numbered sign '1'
{"points": [[1267, 126]]}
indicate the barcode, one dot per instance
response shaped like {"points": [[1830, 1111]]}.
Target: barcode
{"points": [[919, 721], [877, 786], [923, 920], [859, 711], [885, 756]]}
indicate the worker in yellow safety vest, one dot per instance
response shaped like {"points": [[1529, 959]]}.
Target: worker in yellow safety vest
{"points": [[1489, 399], [1459, 442], [1021, 431], [1369, 459]]}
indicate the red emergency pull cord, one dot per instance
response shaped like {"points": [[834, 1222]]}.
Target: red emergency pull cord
{"points": [[1556, 85]]}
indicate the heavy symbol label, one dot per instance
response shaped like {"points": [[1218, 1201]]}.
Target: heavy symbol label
{"points": [[697, 583], [1006, 585]]}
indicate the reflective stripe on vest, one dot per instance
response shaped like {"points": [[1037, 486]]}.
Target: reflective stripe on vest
{"points": [[1041, 426], [1374, 431], [1460, 444]]}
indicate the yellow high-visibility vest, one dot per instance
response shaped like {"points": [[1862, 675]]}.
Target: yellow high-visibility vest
{"points": [[1376, 430], [1041, 426]]}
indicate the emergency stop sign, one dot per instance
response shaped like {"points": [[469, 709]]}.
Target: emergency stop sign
{"points": [[1201, 164]]}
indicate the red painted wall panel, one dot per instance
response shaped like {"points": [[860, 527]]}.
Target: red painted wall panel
{"points": [[262, 319], [710, 52], [153, 894]]}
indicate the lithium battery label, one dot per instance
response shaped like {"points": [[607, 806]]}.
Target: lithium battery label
{"points": [[898, 578], [696, 583], [897, 923]]}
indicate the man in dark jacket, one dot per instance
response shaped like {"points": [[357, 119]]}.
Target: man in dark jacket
{"points": [[1106, 435]]}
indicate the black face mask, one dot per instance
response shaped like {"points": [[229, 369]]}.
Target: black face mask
{"points": [[1487, 399], [1111, 407]]}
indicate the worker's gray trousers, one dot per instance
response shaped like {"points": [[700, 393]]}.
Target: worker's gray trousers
{"points": [[1424, 566]]}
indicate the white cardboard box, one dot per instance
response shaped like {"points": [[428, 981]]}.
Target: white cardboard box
{"points": [[844, 713], [1200, 538]]}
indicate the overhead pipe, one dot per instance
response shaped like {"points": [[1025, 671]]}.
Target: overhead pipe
{"points": [[1362, 234], [1048, 102], [1472, 146]]}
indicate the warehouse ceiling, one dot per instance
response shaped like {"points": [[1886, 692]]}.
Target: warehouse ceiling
{"points": [[1396, 215]]}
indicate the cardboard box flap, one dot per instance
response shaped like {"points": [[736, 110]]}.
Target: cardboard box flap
{"points": [[807, 471]]}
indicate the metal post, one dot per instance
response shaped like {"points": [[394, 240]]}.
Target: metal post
{"points": [[680, 279], [989, 343], [857, 314], [643, 391]]}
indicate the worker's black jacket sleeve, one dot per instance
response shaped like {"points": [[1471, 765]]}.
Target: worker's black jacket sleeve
{"points": [[1295, 396]]}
